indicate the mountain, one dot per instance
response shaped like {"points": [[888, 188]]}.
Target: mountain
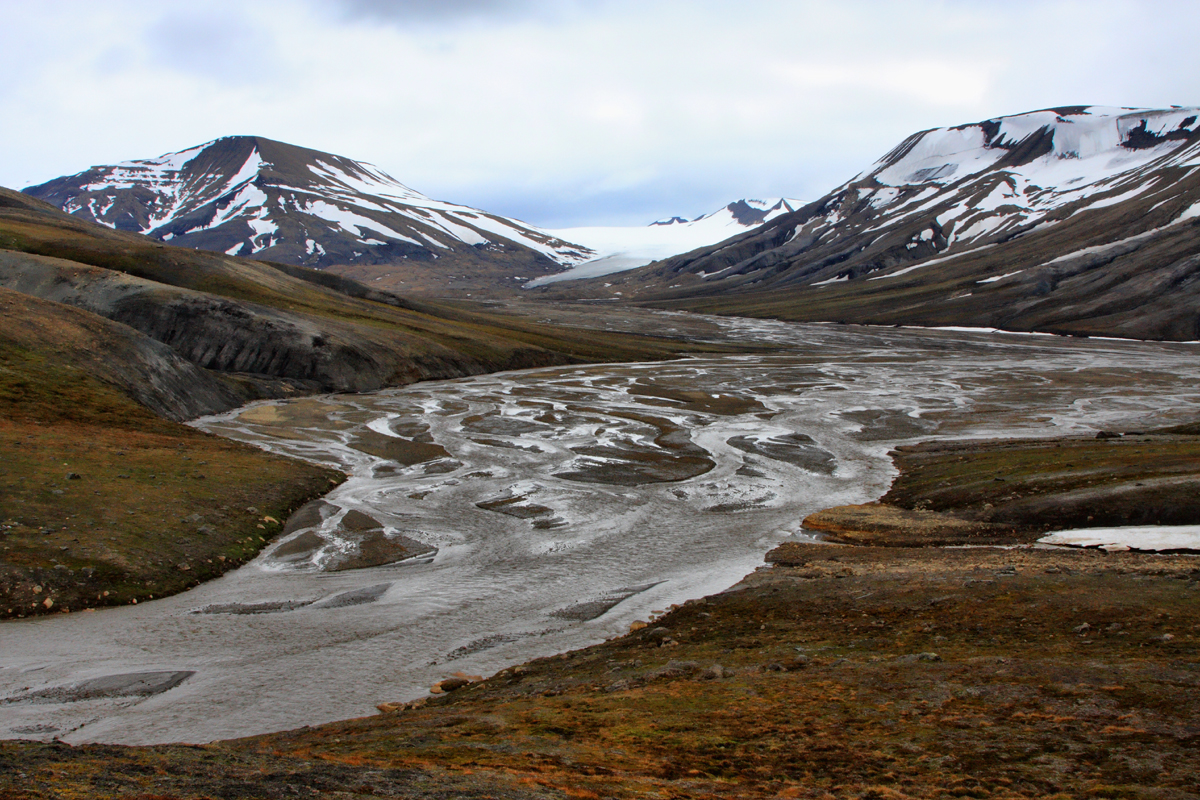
{"points": [[1079, 220], [255, 197], [621, 248]]}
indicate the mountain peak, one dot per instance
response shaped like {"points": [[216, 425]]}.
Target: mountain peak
{"points": [[253, 196]]}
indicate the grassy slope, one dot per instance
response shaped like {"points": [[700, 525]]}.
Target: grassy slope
{"points": [[1014, 491], [156, 507]]}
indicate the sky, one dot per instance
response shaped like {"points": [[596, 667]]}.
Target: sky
{"points": [[569, 112]]}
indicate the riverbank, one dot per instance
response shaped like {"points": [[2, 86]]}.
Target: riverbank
{"points": [[104, 502], [1014, 491], [839, 671]]}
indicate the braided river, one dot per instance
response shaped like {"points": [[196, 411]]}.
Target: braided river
{"points": [[545, 510]]}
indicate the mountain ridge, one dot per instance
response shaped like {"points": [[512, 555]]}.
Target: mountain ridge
{"points": [[1071, 220], [260, 198]]}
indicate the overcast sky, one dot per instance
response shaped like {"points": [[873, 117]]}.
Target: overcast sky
{"points": [[566, 112]]}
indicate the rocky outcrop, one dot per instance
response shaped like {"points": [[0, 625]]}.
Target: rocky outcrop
{"points": [[148, 371]]}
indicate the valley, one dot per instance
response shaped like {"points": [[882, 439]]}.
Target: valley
{"points": [[365, 494], [546, 510]]}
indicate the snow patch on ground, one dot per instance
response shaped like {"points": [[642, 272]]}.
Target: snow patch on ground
{"points": [[1155, 538]]}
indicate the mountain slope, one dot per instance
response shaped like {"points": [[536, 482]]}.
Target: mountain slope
{"points": [[1073, 220], [255, 197], [621, 248]]}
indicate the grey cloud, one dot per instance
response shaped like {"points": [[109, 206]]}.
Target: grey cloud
{"points": [[450, 10]]}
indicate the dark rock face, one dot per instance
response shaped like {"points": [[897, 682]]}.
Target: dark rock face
{"points": [[274, 352]]}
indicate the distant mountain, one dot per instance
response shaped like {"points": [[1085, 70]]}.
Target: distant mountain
{"points": [[255, 197], [622, 248], [1074, 220]]}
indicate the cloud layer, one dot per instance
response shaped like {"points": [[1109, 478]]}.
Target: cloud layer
{"points": [[568, 112]]}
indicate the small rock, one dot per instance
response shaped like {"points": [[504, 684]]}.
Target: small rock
{"points": [[1166, 637], [659, 633], [449, 685], [1009, 570], [928, 657], [74, 476], [637, 625], [715, 672], [56, 491], [676, 669], [48, 602], [1081, 629]]}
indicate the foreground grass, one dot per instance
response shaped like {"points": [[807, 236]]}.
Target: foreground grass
{"points": [[95, 515]]}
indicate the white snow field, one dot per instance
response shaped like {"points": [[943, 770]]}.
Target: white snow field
{"points": [[622, 248], [1154, 538]]}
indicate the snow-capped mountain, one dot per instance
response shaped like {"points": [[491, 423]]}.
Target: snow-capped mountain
{"points": [[622, 248], [1049, 220], [255, 197]]}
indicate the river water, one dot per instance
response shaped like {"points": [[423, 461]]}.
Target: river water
{"points": [[553, 507]]}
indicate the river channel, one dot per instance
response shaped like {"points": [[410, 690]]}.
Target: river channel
{"points": [[549, 509]]}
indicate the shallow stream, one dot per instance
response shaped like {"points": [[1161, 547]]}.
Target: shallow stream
{"points": [[548, 509]]}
